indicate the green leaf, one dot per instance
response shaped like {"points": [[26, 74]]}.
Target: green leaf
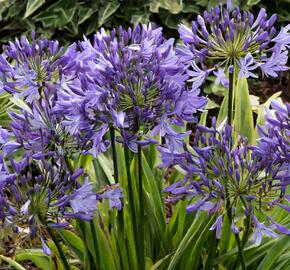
{"points": [[104, 168], [21, 104], [243, 117], [173, 6], [190, 241], [274, 253], [106, 11], [253, 2], [160, 262], [74, 242], [223, 110], [86, 12], [57, 15], [11, 262], [262, 112], [103, 245], [37, 257], [32, 6], [5, 106]]}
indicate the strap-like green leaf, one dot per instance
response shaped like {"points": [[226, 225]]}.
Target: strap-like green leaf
{"points": [[274, 253], [243, 117], [11, 262], [31, 6]]}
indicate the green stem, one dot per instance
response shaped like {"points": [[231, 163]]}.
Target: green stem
{"points": [[89, 261], [248, 225], [68, 164], [131, 196], [59, 248], [230, 97], [11, 262], [141, 213], [211, 252], [116, 177], [241, 257], [114, 154], [94, 236]]}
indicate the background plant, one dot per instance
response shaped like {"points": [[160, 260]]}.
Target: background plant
{"points": [[173, 239], [69, 21]]}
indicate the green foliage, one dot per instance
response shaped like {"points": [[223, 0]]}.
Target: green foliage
{"points": [[243, 117], [37, 257], [5, 105], [173, 238], [69, 20], [11, 262]]}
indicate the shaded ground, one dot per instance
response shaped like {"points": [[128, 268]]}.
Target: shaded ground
{"points": [[267, 88]]}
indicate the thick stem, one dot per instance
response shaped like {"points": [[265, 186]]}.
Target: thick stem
{"points": [[211, 252], [230, 97], [89, 261], [57, 244], [116, 177], [114, 154], [94, 236], [241, 257], [248, 225], [131, 196], [141, 211]]}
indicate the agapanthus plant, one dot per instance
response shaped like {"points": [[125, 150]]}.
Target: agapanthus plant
{"points": [[225, 37], [40, 132], [28, 68], [234, 182], [42, 191], [233, 45], [39, 194], [129, 79], [274, 141]]}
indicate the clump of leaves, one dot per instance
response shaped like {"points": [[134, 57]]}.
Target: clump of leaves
{"points": [[68, 21]]}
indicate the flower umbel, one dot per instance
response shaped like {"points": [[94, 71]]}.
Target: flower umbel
{"points": [[223, 37], [217, 176], [132, 80], [28, 68], [40, 194]]}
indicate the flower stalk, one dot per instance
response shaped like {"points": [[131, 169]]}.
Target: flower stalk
{"points": [[241, 257], [230, 95], [131, 196], [57, 244], [114, 154], [141, 210]]}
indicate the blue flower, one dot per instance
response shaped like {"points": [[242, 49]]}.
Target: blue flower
{"points": [[40, 193], [28, 68], [226, 36], [252, 179], [130, 80]]}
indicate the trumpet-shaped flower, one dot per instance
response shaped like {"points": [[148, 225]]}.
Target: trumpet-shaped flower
{"points": [[28, 68], [39, 193], [274, 141], [129, 79], [217, 176], [224, 36]]}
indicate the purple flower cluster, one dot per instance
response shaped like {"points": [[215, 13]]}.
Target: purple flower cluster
{"points": [[37, 185], [28, 68], [274, 139], [218, 176], [32, 73], [131, 80], [225, 37], [38, 193]]}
